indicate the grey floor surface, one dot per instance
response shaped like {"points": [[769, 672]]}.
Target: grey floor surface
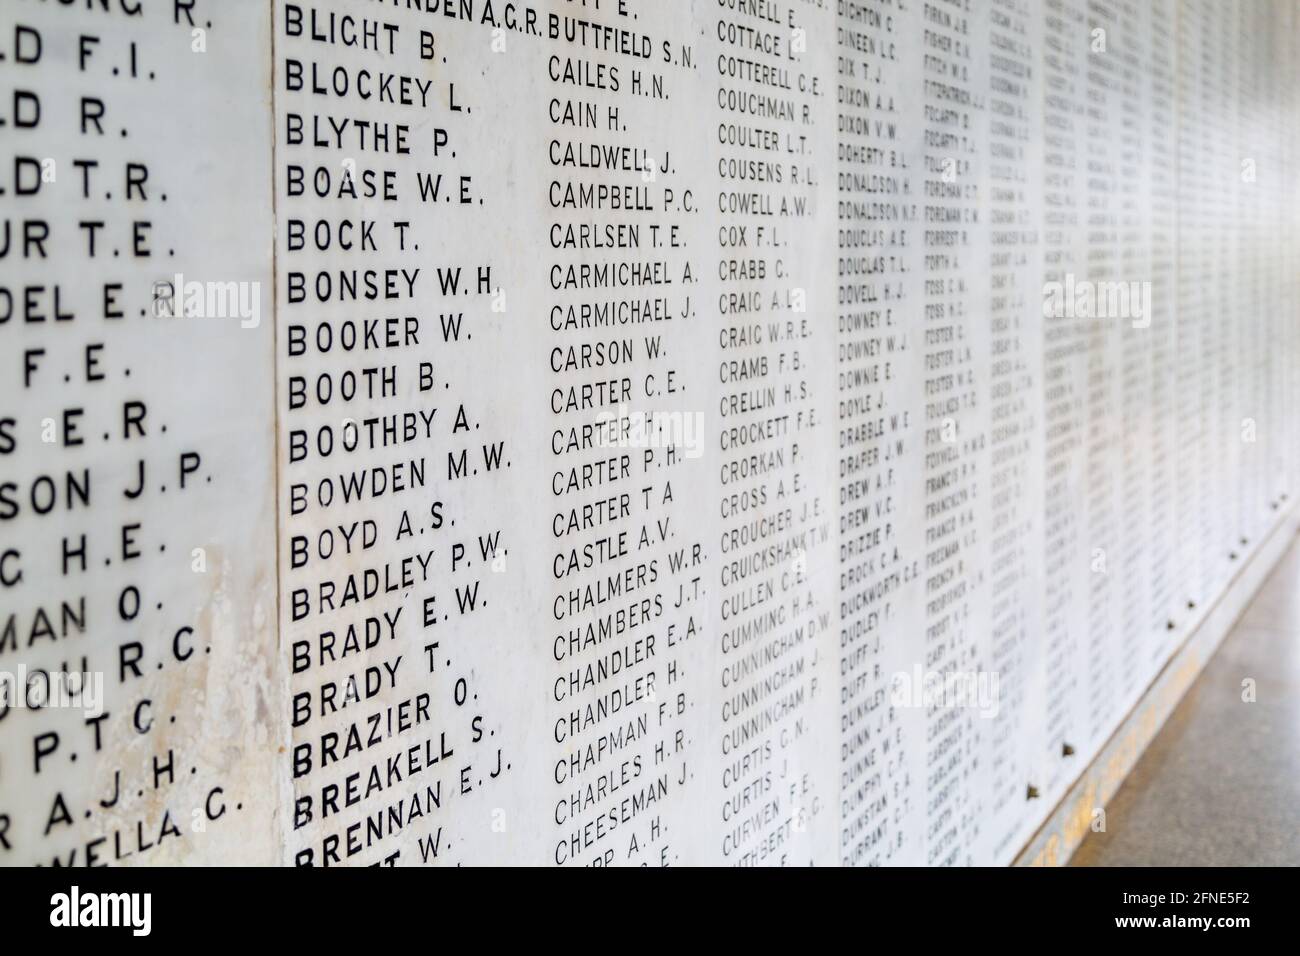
{"points": [[1220, 784]]}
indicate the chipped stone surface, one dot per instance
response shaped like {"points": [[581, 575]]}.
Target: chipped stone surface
{"points": [[178, 580]]}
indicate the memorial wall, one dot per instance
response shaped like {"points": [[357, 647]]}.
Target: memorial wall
{"points": [[668, 432]]}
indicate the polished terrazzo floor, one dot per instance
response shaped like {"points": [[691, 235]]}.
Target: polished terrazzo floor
{"points": [[1220, 784]]}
